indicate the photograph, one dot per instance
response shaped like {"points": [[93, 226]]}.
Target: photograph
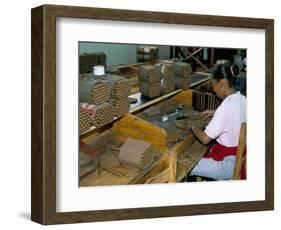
{"points": [[140, 114], [161, 114]]}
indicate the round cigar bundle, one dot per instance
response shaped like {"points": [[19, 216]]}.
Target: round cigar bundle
{"points": [[120, 86], [94, 91], [120, 91], [104, 115], [85, 122], [121, 106]]}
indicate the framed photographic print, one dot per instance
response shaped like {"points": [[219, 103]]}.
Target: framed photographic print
{"points": [[139, 114]]}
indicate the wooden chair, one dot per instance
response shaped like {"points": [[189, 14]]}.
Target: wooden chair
{"points": [[240, 159]]}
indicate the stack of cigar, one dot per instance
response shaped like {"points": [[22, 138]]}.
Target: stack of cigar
{"points": [[167, 78], [136, 153], [182, 75], [104, 114], [85, 122], [99, 115], [147, 53], [150, 81], [94, 91], [121, 106], [121, 87], [104, 98], [120, 91]]}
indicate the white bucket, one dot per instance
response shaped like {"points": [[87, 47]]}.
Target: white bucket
{"points": [[98, 70]]}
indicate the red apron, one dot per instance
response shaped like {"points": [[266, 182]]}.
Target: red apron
{"points": [[219, 152]]}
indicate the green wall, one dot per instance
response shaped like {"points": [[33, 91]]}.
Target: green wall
{"points": [[118, 53]]}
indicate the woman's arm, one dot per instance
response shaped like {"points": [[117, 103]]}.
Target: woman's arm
{"points": [[201, 135]]}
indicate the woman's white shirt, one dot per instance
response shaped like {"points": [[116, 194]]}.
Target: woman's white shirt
{"points": [[226, 122]]}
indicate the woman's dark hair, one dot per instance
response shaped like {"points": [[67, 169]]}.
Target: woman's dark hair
{"points": [[228, 72]]}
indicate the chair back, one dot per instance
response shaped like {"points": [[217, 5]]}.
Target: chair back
{"points": [[240, 159]]}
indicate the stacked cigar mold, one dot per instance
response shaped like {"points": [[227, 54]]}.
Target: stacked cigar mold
{"points": [[136, 153], [182, 75], [164, 77], [167, 78], [150, 80], [147, 53]]}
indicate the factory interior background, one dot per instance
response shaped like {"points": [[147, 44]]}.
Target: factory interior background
{"points": [[135, 104]]}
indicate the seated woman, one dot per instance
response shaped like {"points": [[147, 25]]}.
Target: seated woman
{"points": [[224, 127]]}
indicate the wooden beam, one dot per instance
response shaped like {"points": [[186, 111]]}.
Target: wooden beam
{"points": [[180, 147], [159, 168], [173, 157], [154, 101], [137, 128], [184, 97], [240, 151]]}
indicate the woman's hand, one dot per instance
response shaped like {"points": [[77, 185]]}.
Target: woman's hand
{"points": [[91, 109], [206, 114], [188, 125]]}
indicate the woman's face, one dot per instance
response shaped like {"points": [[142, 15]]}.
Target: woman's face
{"points": [[218, 88]]}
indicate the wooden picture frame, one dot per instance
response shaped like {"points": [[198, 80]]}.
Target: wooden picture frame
{"points": [[43, 207]]}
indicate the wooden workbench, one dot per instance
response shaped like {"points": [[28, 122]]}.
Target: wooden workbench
{"points": [[141, 127]]}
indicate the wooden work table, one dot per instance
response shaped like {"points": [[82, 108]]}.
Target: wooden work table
{"points": [[165, 139]]}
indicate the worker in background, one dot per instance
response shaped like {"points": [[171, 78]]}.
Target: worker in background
{"points": [[224, 126]]}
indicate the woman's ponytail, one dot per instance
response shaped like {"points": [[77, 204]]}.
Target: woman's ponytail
{"points": [[234, 72], [228, 72]]}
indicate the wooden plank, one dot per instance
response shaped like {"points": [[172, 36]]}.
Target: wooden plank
{"points": [[239, 154], [154, 101], [173, 157], [137, 128], [162, 177], [108, 178], [184, 97], [182, 146], [158, 168]]}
